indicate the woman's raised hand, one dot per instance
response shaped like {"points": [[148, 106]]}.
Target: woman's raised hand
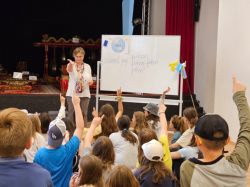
{"points": [[71, 62]]}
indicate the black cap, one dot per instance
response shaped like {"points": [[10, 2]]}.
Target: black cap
{"points": [[208, 124]]}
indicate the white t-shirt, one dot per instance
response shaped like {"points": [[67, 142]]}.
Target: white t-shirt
{"points": [[125, 152], [87, 75], [157, 129], [38, 144], [189, 152], [184, 140]]}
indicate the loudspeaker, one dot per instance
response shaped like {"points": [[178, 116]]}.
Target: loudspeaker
{"points": [[196, 10]]}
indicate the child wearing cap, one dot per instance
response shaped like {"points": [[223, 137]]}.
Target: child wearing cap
{"points": [[125, 144], [151, 112], [153, 170], [212, 134], [15, 136], [147, 135], [58, 158]]}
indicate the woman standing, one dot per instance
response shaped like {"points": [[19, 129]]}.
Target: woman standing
{"points": [[80, 77]]}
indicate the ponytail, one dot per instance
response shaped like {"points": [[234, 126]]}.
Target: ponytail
{"points": [[178, 123], [191, 114], [129, 136], [124, 124]]}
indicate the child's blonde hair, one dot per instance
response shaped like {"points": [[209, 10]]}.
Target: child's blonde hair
{"points": [[141, 122], [16, 130], [179, 124], [36, 126]]}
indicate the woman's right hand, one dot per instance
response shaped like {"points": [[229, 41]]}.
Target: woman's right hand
{"points": [[71, 62]]}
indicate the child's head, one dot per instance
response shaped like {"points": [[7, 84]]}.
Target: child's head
{"points": [[36, 125], [90, 169], [212, 132], [140, 121], [70, 126], [104, 149], [151, 113], [121, 176], [109, 122], [45, 121], [123, 125], [15, 133], [190, 116], [57, 130], [177, 123], [145, 136], [153, 152]]}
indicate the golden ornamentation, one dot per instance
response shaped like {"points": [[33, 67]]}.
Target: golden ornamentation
{"points": [[18, 82], [47, 39]]}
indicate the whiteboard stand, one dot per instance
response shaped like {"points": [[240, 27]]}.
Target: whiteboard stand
{"points": [[138, 99]]}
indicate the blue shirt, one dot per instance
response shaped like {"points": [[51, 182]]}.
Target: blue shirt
{"points": [[59, 161], [147, 180], [176, 136], [17, 172]]}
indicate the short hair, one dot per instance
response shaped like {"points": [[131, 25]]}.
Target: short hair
{"points": [[78, 50], [16, 130], [45, 121], [215, 144]]}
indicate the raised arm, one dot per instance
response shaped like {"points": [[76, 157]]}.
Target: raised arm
{"points": [[78, 116], [163, 120], [89, 136], [120, 105], [61, 113], [162, 98], [241, 153]]}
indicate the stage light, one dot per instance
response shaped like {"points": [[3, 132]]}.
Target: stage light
{"points": [[137, 21]]}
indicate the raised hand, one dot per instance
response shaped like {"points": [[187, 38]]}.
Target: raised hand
{"points": [[75, 99], [94, 113], [162, 108], [71, 62], [97, 121], [166, 91], [62, 100], [119, 92], [72, 181], [238, 86]]}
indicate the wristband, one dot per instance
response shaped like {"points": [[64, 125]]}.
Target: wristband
{"points": [[119, 98]]}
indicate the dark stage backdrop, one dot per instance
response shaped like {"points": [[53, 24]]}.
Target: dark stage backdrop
{"points": [[22, 22]]}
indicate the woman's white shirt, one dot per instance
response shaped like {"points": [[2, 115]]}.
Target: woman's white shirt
{"points": [[36, 145], [87, 75]]}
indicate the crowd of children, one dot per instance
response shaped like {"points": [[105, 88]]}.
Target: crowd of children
{"points": [[38, 151]]}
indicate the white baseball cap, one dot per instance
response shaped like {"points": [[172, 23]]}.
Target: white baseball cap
{"points": [[57, 129], [153, 149]]}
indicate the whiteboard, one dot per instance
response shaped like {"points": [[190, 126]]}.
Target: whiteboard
{"points": [[144, 67]]}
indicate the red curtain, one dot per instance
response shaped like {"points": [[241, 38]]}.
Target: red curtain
{"points": [[179, 21]]}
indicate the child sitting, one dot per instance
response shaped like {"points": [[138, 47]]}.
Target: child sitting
{"points": [[15, 136], [58, 158], [147, 135], [190, 117], [153, 170], [151, 112], [212, 134], [103, 148], [45, 120], [121, 176], [140, 121], [178, 126], [38, 141], [90, 173], [125, 144]]}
